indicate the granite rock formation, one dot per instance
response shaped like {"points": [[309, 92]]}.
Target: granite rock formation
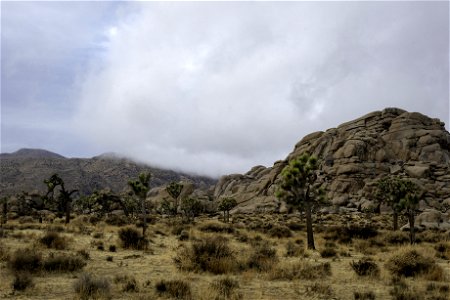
{"points": [[354, 156]]}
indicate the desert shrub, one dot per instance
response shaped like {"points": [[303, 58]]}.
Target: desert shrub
{"points": [[410, 263], [296, 226], [4, 253], [294, 249], [88, 286], [369, 295], [25, 219], [329, 250], [130, 285], [178, 289], [116, 220], [442, 250], [21, 281], [112, 248], [109, 258], [429, 237], [345, 234], [211, 254], [54, 240], [301, 270], [262, 258], [225, 287], [320, 288], [401, 291], [63, 263], [177, 229], [279, 232], [25, 260], [131, 238], [365, 267], [216, 227], [84, 254], [396, 237], [98, 235]]}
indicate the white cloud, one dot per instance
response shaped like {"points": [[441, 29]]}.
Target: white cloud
{"points": [[215, 88]]}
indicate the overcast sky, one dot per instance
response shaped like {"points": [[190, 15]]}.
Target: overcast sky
{"points": [[212, 87]]}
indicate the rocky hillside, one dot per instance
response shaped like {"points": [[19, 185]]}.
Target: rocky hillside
{"points": [[356, 154], [26, 169]]}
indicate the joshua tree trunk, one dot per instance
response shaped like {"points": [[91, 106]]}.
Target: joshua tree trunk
{"points": [[67, 212], [412, 233], [395, 221], [144, 217], [309, 229]]}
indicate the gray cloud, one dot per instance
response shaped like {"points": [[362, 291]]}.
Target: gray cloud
{"points": [[218, 87]]}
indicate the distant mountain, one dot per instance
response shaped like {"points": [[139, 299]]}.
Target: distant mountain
{"points": [[26, 169]]}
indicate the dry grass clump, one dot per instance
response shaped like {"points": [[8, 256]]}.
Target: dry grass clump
{"points": [[279, 232], [22, 281], [178, 289], [301, 270], [329, 250], [54, 240], [442, 250], [88, 286], [4, 253], [25, 260], [410, 263], [401, 291], [295, 249], [226, 288], [131, 238], [211, 254], [263, 257], [320, 288], [63, 263], [396, 237], [216, 227], [366, 295], [365, 267]]}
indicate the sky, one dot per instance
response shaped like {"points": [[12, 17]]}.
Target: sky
{"points": [[212, 88]]}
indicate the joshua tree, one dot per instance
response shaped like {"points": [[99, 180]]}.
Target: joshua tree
{"points": [[300, 188], [174, 190], [191, 207], [410, 204], [389, 192], [140, 188], [64, 197], [225, 205]]}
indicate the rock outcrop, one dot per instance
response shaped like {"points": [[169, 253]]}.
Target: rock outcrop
{"points": [[354, 156]]}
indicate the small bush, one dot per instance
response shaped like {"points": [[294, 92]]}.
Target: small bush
{"points": [[302, 270], [396, 237], [131, 238], [25, 260], [442, 250], [84, 254], [279, 232], [4, 253], [410, 263], [294, 249], [178, 289], [401, 291], [63, 263], [130, 285], [210, 254], [225, 287], [364, 295], [88, 286], [262, 258], [54, 240], [216, 227], [184, 236], [116, 220], [320, 288], [112, 248], [345, 234], [329, 250], [21, 281], [365, 267]]}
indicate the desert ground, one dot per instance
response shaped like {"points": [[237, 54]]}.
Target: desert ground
{"points": [[253, 257]]}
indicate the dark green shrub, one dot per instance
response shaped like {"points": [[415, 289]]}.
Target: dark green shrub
{"points": [[63, 263], [279, 232], [131, 238], [365, 267], [21, 281], [25, 260], [178, 289], [88, 286]]}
